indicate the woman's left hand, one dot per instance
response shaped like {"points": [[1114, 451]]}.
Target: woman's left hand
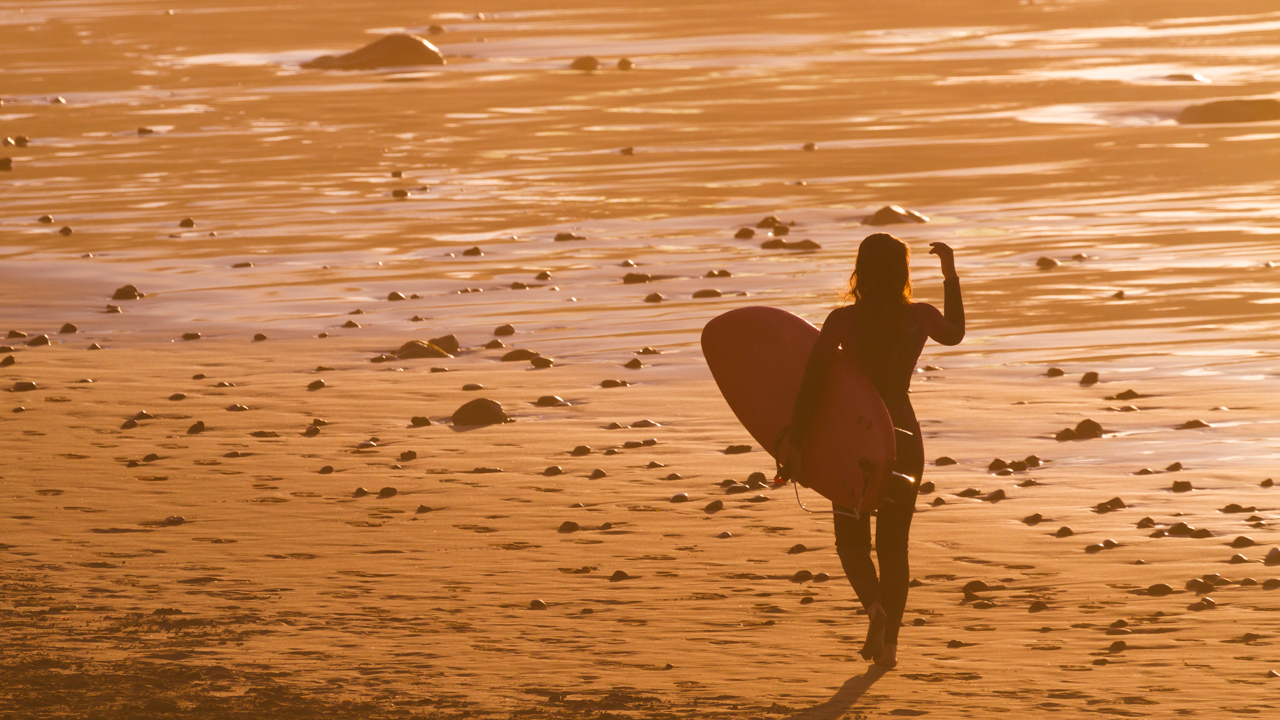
{"points": [[947, 256]]}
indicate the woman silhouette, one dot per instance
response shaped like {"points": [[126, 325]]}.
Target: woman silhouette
{"points": [[886, 332]]}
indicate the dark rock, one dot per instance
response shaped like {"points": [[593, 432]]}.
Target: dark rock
{"points": [[128, 292], [636, 278], [504, 330], [553, 471], [551, 401], [969, 492], [580, 450], [680, 498], [997, 464], [597, 474], [625, 64], [408, 455], [473, 252], [737, 449], [1089, 378], [387, 492], [326, 470], [568, 236], [1193, 425], [633, 364], [619, 575], [39, 341], [68, 329], [614, 383], [711, 293], [197, 428], [494, 344], [780, 244], [1181, 486], [714, 506], [1047, 263], [398, 50], [1174, 467], [927, 487], [481, 411], [586, 63], [23, 386], [1064, 532], [568, 526], [351, 325], [1087, 429], [653, 298], [519, 355], [944, 461], [1033, 519], [1231, 111], [542, 363], [892, 215], [419, 421], [65, 231], [315, 385], [259, 338], [1066, 434], [745, 234]]}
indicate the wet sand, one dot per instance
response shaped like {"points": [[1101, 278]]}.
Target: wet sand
{"points": [[235, 571]]}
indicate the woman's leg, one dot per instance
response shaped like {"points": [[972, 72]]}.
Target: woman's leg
{"points": [[853, 544], [893, 528]]}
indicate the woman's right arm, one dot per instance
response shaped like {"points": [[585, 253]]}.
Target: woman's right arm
{"points": [[815, 371]]}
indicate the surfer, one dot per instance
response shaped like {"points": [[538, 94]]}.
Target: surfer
{"points": [[886, 331]]}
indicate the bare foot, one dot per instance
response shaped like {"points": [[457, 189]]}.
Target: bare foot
{"points": [[888, 656], [874, 643]]}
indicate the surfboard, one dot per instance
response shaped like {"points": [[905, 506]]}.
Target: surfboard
{"points": [[758, 356]]}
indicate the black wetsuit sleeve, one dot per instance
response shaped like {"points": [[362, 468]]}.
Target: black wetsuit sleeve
{"points": [[815, 372], [950, 328]]}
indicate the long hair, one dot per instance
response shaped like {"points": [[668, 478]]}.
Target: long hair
{"points": [[880, 288], [882, 273]]}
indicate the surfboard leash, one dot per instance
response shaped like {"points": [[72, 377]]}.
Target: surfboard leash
{"points": [[783, 473]]}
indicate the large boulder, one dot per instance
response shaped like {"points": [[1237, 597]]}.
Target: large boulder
{"points": [[399, 50], [1231, 111], [892, 215], [415, 349], [481, 411]]}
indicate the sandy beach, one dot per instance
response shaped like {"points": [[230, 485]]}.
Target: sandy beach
{"points": [[231, 498]]}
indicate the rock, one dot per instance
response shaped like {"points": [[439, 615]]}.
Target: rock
{"points": [[7, 361], [191, 336], [625, 64], [711, 293], [1055, 372], [927, 487], [542, 363], [419, 421], [614, 383], [1145, 522], [737, 449], [473, 252], [1174, 467], [586, 63], [259, 338], [315, 385], [481, 411], [653, 298], [178, 396], [1065, 435], [1193, 425], [351, 325], [472, 387], [995, 496], [537, 605], [68, 329], [1087, 429], [1047, 263], [1126, 395], [415, 349], [1089, 378], [680, 498], [1064, 532], [197, 428], [65, 231], [1273, 557], [714, 506], [745, 234], [636, 278], [6, 164], [780, 244], [1231, 111], [128, 292], [1033, 519], [504, 330], [519, 355], [997, 464], [23, 386], [1238, 559], [893, 215], [633, 364], [619, 575], [328, 470], [311, 431], [597, 474], [1181, 486], [398, 50], [1201, 533], [553, 471], [944, 461], [387, 492], [494, 344], [39, 341], [396, 297], [568, 236]]}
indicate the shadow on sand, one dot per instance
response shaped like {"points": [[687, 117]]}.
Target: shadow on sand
{"points": [[845, 698]]}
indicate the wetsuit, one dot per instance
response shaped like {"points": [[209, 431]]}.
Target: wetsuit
{"points": [[888, 356]]}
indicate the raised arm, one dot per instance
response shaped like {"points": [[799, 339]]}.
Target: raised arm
{"points": [[824, 351], [948, 329]]}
